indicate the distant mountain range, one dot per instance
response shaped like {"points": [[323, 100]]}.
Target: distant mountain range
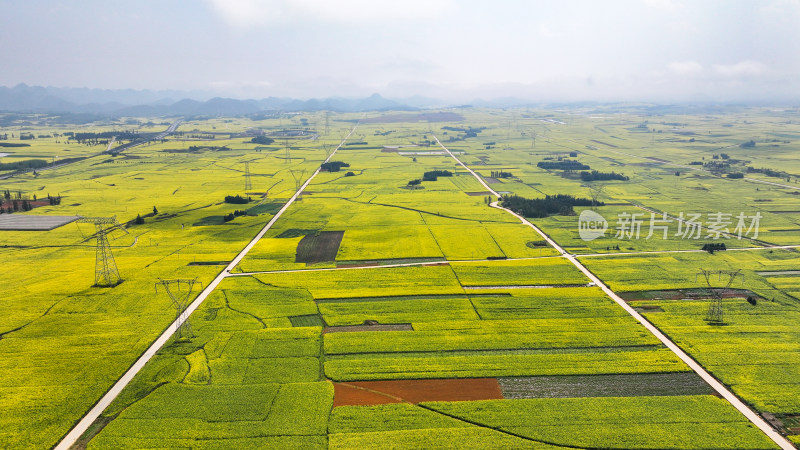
{"points": [[128, 102]]}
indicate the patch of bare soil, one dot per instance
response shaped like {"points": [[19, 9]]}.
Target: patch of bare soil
{"points": [[360, 393]]}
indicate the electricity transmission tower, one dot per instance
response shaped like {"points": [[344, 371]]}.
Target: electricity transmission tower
{"points": [[286, 145], [297, 174], [105, 268], [328, 149], [327, 122], [247, 181], [595, 190], [715, 314], [180, 292]]}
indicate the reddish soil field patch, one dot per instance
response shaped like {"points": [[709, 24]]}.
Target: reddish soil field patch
{"points": [[363, 393], [491, 180], [476, 194]]}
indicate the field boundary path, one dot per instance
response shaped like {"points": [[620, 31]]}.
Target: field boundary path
{"points": [[751, 415], [77, 431]]}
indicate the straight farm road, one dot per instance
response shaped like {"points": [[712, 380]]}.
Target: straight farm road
{"points": [[751, 415], [77, 431]]}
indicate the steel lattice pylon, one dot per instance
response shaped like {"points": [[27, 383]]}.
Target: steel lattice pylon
{"points": [[106, 273], [181, 297], [715, 314], [248, 184]]}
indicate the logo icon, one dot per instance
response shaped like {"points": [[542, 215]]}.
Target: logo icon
{"points": [[591, 225]]}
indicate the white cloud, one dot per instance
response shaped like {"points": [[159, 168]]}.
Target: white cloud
{"points": [[250, 13], [741, 69], [685, 68], [548, 32], [666, 5]]}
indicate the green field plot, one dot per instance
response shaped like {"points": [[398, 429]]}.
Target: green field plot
{"points": [[549, 271], [504, 363], [369, 282], [643, 422], [546, 303], [376, 243], [463, 336], [269, 415], [396, 311]]}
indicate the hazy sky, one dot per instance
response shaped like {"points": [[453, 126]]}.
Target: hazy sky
{"points": [[663, 50]]}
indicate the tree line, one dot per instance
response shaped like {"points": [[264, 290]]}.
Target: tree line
{"points": [[560, 204], [566, 164], [602, 176]]}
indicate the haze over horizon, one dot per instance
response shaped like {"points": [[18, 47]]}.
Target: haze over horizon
{"points": [[648, 50]]}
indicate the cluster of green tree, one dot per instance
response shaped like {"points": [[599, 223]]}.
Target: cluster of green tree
{"points": [[26, 136], [573, 154], [767, 172], [716, 166], [602, 176], [501, 174], [696, 163], [561, 204], [233, 215], [198, 148], [714, 247], [566, 164], [749, 144], [349, 174], [433, 175], [237, 199], [53, 200], [415, 182], [13, 144], [24, 165], [333, 166], [357, 143], [8, 195], [468, 132], [735, 175], [262, 140]]}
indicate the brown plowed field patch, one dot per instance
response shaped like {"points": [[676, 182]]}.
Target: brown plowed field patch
{"points": [[364, 393]]}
